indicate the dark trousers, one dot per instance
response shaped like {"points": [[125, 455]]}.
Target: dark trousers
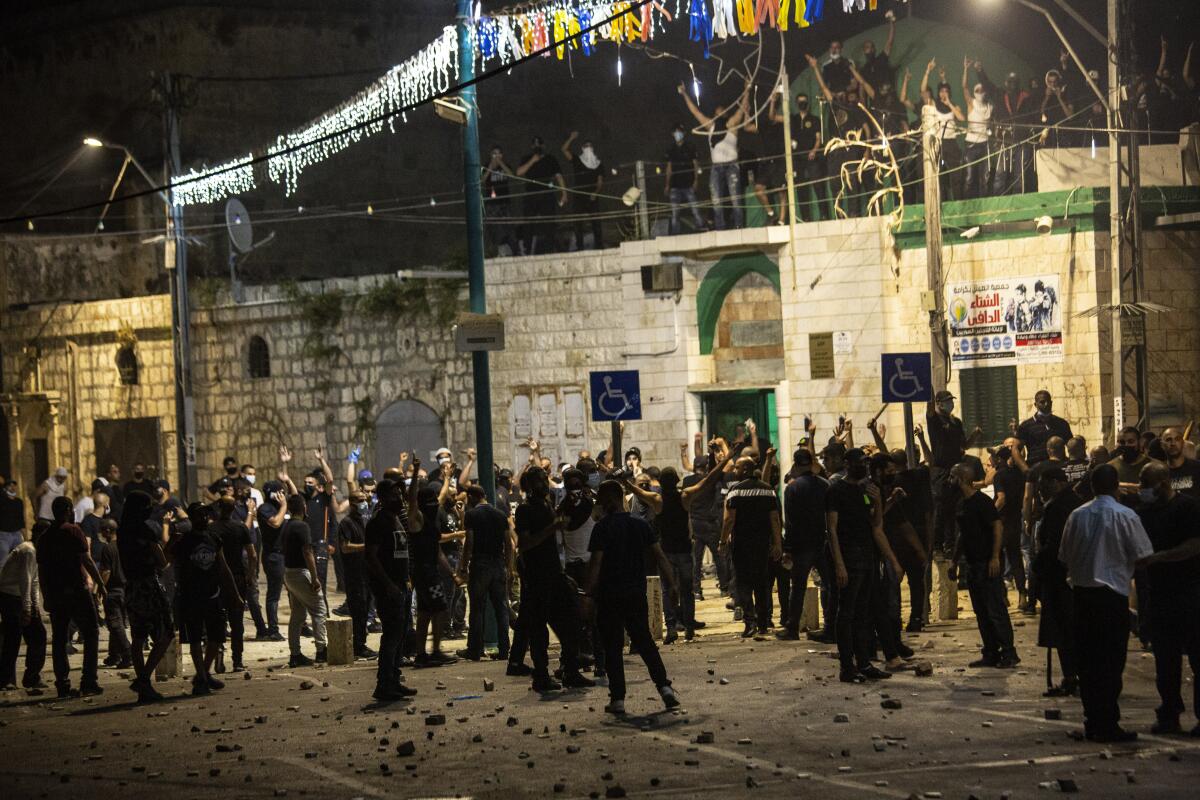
{"points": [[781, 579], [591, 208], [699, 545], [273, 567], [250, 594], [1013, 556], [1058, 616], [1101, 634], [830, 594], [978, 178], [803, 561], [945, 505], [753, 586], [34, 635], [487, 585], [549, 602], [991, 614], [855, 631], [914, 570], [685, 613], [589, 636], [235, 612], [1175, 630], [395, 616], [76, 607], [115, 620], [357, 594], [616, 616], [885, 608]]}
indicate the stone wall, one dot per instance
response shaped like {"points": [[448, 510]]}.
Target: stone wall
{"points": [[35, 269]]}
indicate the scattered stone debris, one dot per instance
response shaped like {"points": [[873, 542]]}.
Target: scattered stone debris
{"points": [[841, 717], [891, 703]]}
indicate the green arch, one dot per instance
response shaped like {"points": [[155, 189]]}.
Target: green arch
{"points": [[717, 283]]}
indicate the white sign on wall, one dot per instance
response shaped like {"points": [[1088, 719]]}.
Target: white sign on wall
{"points": [[1005, 321]]}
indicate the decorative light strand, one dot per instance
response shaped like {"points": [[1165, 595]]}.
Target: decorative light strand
{"points": [[212, 184]]}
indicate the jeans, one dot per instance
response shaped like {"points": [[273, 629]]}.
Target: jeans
{"points": [[830, 594], [303, 600], [487, 583], [1175, 634], [34, 635], [1012, 164], [978, 170], [456, 598], [1101, 636], [589, 210], [74, 606], [395, 615], [1014, 558], [357, 601], [812, 174], [685, 612], [677, 198], [1029, 586], [991, 613], [8, 541], [781, 580], [725, 181], [114, 619], [855, 633], [618, 615], [273, 567]]}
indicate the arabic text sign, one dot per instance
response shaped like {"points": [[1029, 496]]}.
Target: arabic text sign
{"points": [[1005, 321]]}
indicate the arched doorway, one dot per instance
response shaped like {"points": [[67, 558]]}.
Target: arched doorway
{"points": [[256, 441], [406, 425]]}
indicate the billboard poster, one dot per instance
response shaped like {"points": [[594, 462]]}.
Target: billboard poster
{"points": [[1005, 321]]}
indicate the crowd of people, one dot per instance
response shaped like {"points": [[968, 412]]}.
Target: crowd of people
{"points": [[989, 126], [423, 556]]}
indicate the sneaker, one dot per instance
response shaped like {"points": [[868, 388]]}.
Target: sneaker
{"points": [[403, 690], [342, 610], [90, 689], [731, 605], [670, 699], [468, 654], [905, 651], [749, 631], [238, 667], [271, 636], [851, 676], [386, 694], [374, 627], [874, 673], [322, 655], [698, 624], [1008, 662], [824, 637], [575, 680], [615, 707], [915, 626], [200, 687], [544, 683], [986, 661], [689, 634], [365, 654], [600, 674], [895, 664], [299, 660], [787, 635], [214, 684], [306, 631], [518, 669], [1117, 735], [738, 614], [1166, 726], [146, 693]]}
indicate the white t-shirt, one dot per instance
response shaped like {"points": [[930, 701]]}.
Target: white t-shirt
{"points": [[54, 490], [725, 151], [84, 507], [979, 120], [575, 543], [940, 121]]}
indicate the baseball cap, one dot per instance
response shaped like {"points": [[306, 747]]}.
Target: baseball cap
{"points": [[943, 394], [61, 472], [163, 484], [802, 457], [365, 475]]}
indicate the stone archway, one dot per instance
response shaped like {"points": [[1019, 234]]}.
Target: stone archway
{"points": [[719, 281], [406, 426], [257, 440]]}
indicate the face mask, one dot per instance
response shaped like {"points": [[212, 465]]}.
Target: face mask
{"points": [[1147, 496], [308, 490], [250, 479], [677, 136], [363, 507], [835, 56], [139, 474], [856, 472], [10, 492], [1129, 453], [979, 96], [946, 406], [1041, 414], [231, 470], [802, 105], [443, 460], [587, 152]]}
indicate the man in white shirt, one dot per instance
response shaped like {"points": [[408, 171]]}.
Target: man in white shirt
{"points": [[21, 618], [53, 487], [1100, 545]]}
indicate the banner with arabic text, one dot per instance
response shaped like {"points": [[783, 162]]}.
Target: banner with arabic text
{"points": [[997, 322]]}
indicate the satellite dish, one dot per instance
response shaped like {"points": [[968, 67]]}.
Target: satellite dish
{"points": [[237, 222]]}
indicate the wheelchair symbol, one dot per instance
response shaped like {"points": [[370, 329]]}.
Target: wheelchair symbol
{"points": [[610, 397], [904, 376]]}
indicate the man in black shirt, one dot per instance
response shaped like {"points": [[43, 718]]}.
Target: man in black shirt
{"points": [[140, 482], [386, 556], [752, 525], [980, 540], [1037, 430], [1172, 521], [485, 568], [854, 520], [683, 170], [587, 184], [1185, 472], [805, 539], [545, 192], [141, 542], [242, 560], [1056, 624], [702, 497], [948, 443], [1055, 458], [113, 576], [1009, 487], [305, 595], [271, 515], [808, 155], [203, 574], [547, 597], [351, 541], [617, 583], [673, 531]]}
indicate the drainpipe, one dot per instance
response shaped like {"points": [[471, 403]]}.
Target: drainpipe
{"points": [[73, 411]]}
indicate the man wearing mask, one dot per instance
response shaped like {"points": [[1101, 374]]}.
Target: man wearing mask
{"points": [[1185, 472], [12, 518], [805, 538], [587, 184], [948, 442], [701, 497], [809, 156], [386, 556], [270, 517], [351, 541], [51, 489], [854, 519], [1009, 490], [1055, 458], [140, 482], [141, 543], [752, 530], [241, 558], [980, 542], [1037, 430], [485, 568], [877, 66], [116, 497], [305, 595], [1172, 521], [1056, 626], [1129, 460], [576, 508], [617, 584], [230, 470], [64, 558], [674, 533], [1101, 543], [682, 179], [545, 193], [836, 69], [21, 617]]}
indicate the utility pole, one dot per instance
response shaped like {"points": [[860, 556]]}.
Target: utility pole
{"points": [[175, 255], [475, 278], [931, 160]]}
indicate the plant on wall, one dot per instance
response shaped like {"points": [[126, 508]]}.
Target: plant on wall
{"points": [[321, 314]]}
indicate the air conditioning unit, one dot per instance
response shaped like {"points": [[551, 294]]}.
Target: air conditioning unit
{"points": [[663, 277]]}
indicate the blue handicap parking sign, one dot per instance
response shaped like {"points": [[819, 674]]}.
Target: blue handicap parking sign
{"points": [[906, 378], [616, 395]]}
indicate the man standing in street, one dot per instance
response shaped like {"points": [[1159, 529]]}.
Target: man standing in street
{"points": [[1100, 545], [109, 564], [485, 566], [271, 516], [948, 443], [141, 543], [21, 618], [1129, 459], [64, 558], [351, 541], [1185, 472], [617, 583], [805, 536], [753, 526], [1037, 430], [1172, 521], [675, 537], [242, 560], [980, 541], [300, 576], [1056, 625], [387, 561]]}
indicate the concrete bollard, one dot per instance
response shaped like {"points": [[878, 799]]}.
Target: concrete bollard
{"points": [[654, 603], [339, 634], [810, 615], [945, 590], [171, 665]]}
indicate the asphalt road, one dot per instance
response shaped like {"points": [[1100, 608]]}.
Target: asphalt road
{"points": [[758, 719]]}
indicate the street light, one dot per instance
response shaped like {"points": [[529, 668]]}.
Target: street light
{"points": [[92, 141]]}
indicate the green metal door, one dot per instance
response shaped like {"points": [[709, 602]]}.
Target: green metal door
{"points": [[724, 412]]}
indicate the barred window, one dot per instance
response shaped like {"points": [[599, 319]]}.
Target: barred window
{"points": [[127, 366], [259, 357]]}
